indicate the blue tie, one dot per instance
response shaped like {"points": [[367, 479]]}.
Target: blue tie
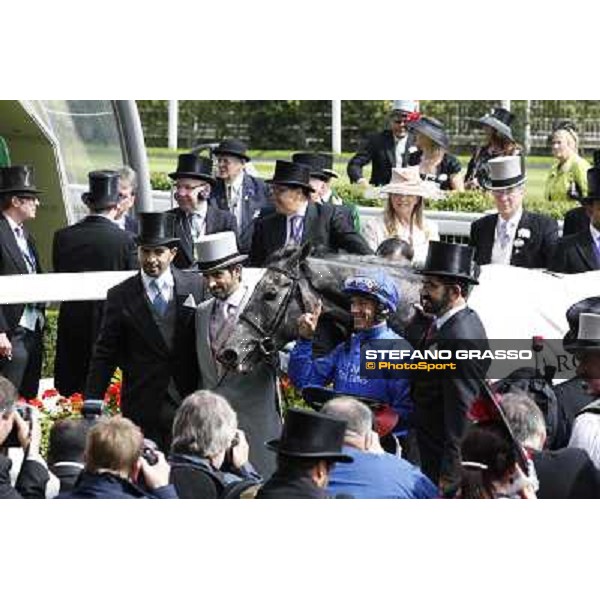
{"points": [[296, 225], [159, 303]]}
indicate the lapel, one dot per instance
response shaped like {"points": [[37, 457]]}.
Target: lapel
{"points": [[211, 220], [184, 287], [10, 243], [584, 245], [311, 220], [185, 234], [390, 146], [488, 236], [208, 365], [141, 315], [519, 255], [277, 232]]}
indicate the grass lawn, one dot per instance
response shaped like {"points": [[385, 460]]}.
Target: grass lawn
{"points": [[165, 160]]}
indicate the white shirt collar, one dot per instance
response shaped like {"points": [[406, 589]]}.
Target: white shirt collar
{"points": [[201, 209], [440, 321], [513, 222], [236, 184], [595, 234], [165, 283], [13, 224], [236, 298]]}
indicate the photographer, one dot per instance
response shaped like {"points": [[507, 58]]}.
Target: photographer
{"points": [[209, 454], [117, 465], [16, 431]]}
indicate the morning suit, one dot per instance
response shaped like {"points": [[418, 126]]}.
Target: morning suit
{"points": [[441, 403], [576, 253], [533, 246], [253, 199], [216, 220], [252, 395], [156, 354], [94, 244], [25, 368], [325, 226], [380, 151], [576, 220]]}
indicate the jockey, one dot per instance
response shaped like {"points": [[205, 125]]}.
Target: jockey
{"points": [[373, 297]]}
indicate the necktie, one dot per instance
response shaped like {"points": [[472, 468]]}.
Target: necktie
{"points": [[296, 227], [196, 221], [503, 234], [158, 302], [431, 331], [25, 251]]}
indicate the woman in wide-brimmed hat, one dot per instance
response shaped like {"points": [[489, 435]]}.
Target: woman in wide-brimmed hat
{"points": [[432, 158], [403, 216], [499, 141]]}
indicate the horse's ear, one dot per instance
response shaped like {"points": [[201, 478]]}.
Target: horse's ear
{"points": [[305, 251]]}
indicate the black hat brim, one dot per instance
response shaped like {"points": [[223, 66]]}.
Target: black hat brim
{"points": [[316, 397], [273, 445], [436, 273], [241, 155], [186, 175], [436, 136], [291, 183], [155, 243], [21, 190], [498, 126], [208, 267], [331, 173], [573, 346], [491, 186]]}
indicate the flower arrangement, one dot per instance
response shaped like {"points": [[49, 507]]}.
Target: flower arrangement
{"points": [[52, 406]]}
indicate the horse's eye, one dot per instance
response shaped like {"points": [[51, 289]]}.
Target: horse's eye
{"points": [[270, 293]]}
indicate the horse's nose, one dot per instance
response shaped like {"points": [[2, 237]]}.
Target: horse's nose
{"points": [[229, 358]]}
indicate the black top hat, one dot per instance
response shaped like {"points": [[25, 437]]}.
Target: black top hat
{"points": [[451, 260], [308, 434], [327, 166], [104, 189], [593, 178], [156, 229], [499, 119], [192, 166], [291, 174], [433, 129], [17, 179], [232, 148], [317, 396], [313, 161], [589, 306]]}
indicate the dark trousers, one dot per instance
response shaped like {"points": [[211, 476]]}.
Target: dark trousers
{"points": [[25, 368]]}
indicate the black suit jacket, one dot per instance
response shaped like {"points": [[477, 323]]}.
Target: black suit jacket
{"points": [[129, 338], [441, 404], [93, 244], [325, 226], [575, 254], [380, 151], [572, 399], [537, 251], [217, 220], [254, 200], [13, 263], [566, 474], [576, 220]]}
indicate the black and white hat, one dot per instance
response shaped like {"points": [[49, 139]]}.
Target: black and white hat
{"points": [[505, 172], [217, 251]]}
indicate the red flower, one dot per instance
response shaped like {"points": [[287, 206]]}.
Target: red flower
{"points": [[483, 410], [50, 393], [36, 402]]}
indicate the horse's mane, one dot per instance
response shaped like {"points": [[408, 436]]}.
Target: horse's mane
{"points": [[356, 262]]}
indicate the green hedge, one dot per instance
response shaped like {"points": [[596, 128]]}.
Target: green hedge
{"points": [[50, 342]]}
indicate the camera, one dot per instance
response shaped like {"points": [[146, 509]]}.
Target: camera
{"points": [[92, 408], [149, 452], [12, 441]]}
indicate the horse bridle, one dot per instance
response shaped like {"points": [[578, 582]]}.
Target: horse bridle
{"points": [[266, 333]]}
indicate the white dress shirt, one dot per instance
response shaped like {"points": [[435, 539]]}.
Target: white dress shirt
{"points": [[236, 199], [289, 234], [165, 283], [586, 435], [400, 149], [440, 321], [502, 255], [198, 221], [595, 235]]}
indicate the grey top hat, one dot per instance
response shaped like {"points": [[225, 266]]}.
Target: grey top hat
{"points": [[588, 336], [505, 172], [217, 251]]}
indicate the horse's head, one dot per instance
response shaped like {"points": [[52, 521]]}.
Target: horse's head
{"points": [[268, 321]]}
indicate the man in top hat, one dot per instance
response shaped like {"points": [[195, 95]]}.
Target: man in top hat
{"points": [[373, 298], [297, 220], [128, 185], [387, 149], [310, 444], [441, 404], [497, 126], [513, 236], [321, 173], [21, 325], [148, 331], [195, 217], [586, 347], [580, 252], [253, 395], [96, 243], [242, 194]]}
